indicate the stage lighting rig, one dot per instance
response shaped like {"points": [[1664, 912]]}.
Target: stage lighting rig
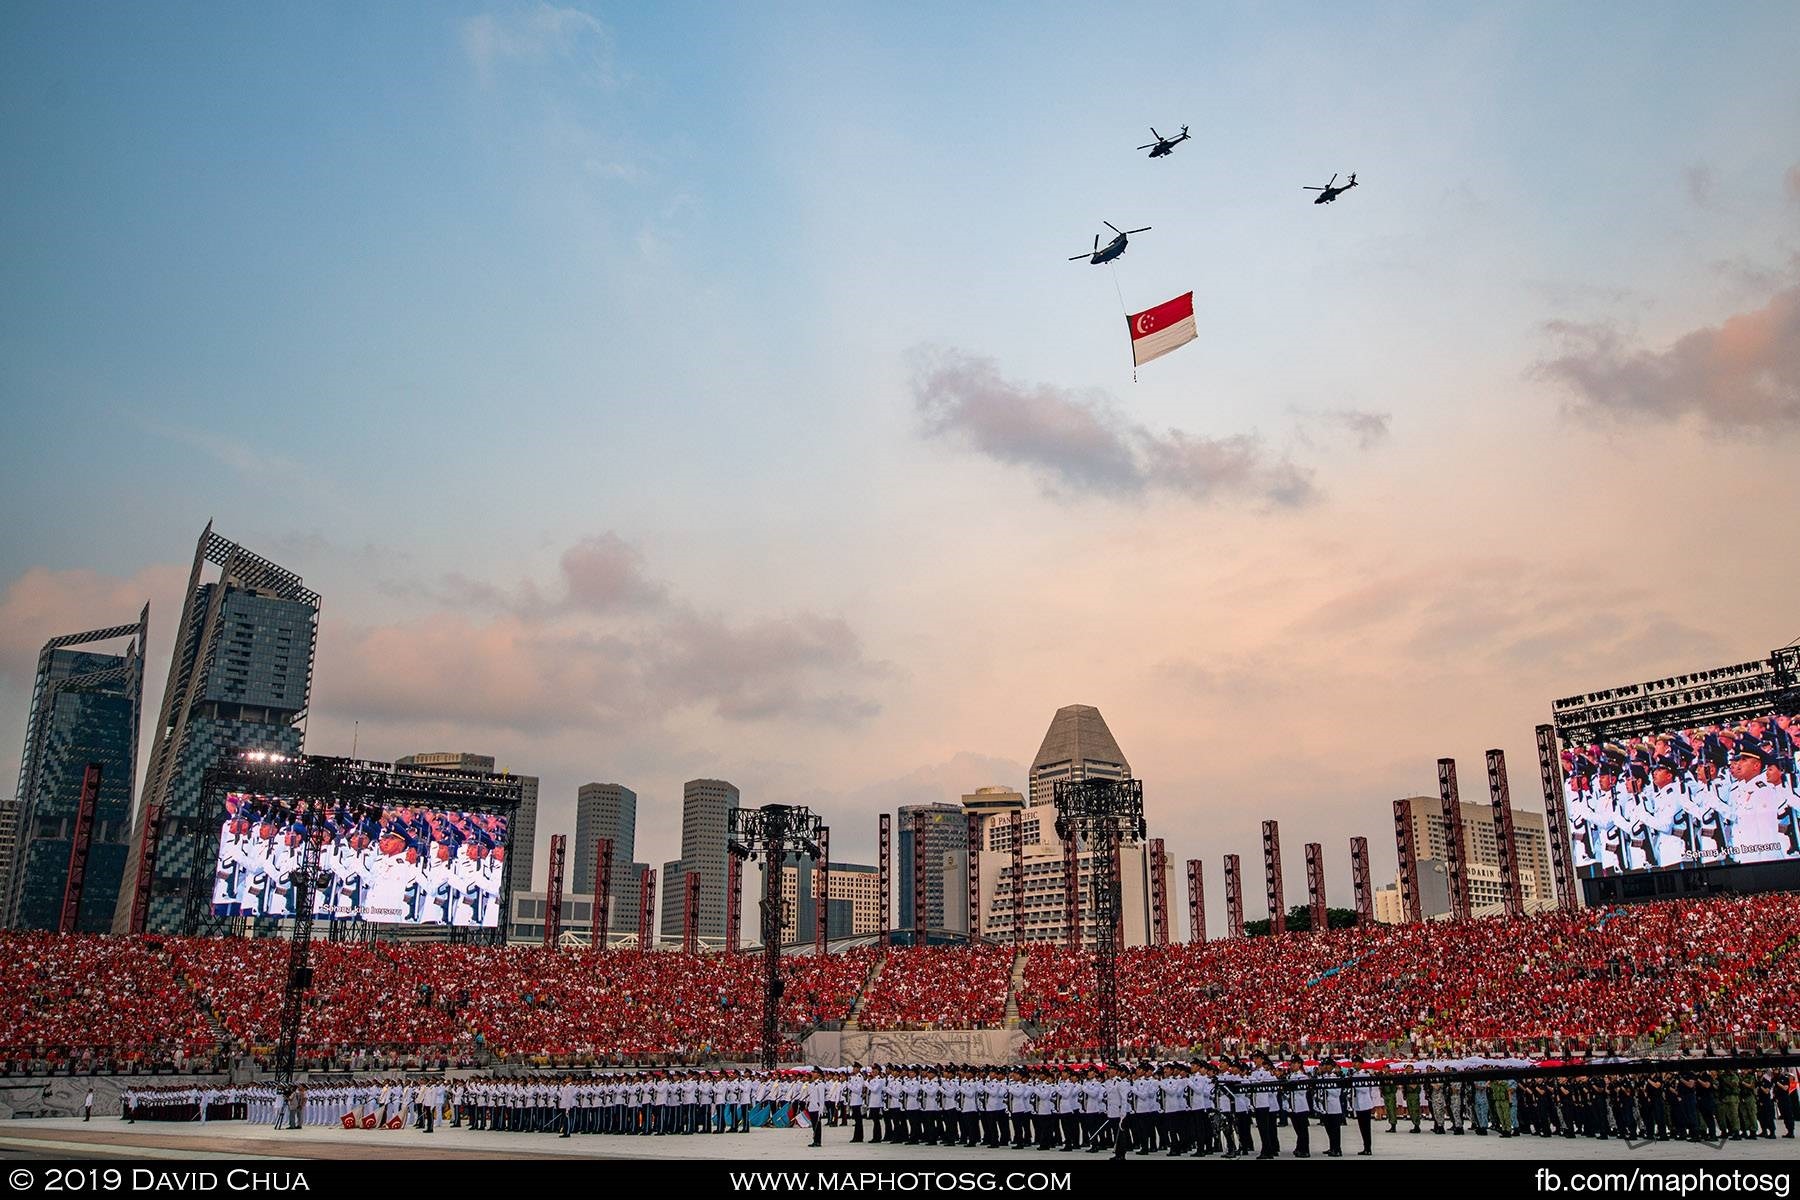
{"points": [[776, 831], [1102, 814]]}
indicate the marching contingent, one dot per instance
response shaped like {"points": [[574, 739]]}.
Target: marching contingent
{"points": [[1233, 1108]]}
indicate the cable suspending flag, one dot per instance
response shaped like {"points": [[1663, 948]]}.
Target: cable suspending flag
{"points": [[1156, 331]]}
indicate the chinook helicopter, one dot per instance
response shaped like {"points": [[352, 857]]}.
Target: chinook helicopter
{"points": [[1105, 254]]}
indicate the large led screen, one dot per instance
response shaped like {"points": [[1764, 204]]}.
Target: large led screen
{"points": [[1710, 795], [398, 866]]}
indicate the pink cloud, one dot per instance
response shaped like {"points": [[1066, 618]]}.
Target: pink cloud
{"points": [[44, 603], [1742, 374]]}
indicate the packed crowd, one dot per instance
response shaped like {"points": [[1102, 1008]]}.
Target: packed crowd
{"points": [[1714, 972], [925, 987], [1727, 969], [110, 1003]]}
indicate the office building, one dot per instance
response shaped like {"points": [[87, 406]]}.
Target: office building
{"points": [[946, 841], [85, 708], [1077, 746], [607, 810], [706, 807], [240, 679], [855, 900]]}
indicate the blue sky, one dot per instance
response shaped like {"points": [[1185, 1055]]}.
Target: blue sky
{"points": [[419, 299]]}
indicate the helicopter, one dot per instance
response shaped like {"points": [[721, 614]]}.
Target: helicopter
{"points": [[1112, 249], [1163, 146], [1328, 193]]}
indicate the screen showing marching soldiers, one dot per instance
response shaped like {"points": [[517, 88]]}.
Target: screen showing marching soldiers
{"points": [[397, 866], [1709, 795]]}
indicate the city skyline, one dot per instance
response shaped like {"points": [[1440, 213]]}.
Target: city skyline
{"points": [[408, 299]]}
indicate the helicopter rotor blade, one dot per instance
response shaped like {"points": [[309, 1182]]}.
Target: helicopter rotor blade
{"points": [[1079, 257], [1312, 189], [1110, 226], [1327, 187], [1147, 145], [1145, 229]]}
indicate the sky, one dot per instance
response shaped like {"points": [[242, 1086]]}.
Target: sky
{"points": [[656, 392]]}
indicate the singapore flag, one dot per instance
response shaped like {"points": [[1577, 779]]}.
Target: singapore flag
{"points": [[1156, 331]]}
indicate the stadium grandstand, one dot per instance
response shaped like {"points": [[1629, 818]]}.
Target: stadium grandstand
{"points": [[1715, 972]]}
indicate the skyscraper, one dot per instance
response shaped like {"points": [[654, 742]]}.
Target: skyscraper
{"points": [[706, 806], [607, 810], [854, 903], [1481, 856], [1077, 746], [240, 679], [523, 830], [85, 708], [946, 847]]}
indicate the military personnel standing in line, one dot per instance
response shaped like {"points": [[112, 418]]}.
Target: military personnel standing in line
{"points": [[1765, 1103], [1390, 1100], [1334, 1098], [1726, 1101], [1365, 1096], [1414, 1100], [1787, 1098], [1499, 1106], [1297, 1101], [1264, 1103]]}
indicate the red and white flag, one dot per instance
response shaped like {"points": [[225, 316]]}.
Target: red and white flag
{"points": [[1156, 331]]}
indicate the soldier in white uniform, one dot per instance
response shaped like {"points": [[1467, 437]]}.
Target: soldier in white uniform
{"points": [[235, 862], [1266, 1104], [353, 868], [1143, 1107], [1066, 1097], [856, 1094], [1610, 832], [1664, 811], [1093, 1109], [1116, 1100], [1712, 793], [1760, 805], [966, 1095]]}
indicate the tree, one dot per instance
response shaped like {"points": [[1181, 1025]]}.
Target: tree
{"points": [[1299, 920]]}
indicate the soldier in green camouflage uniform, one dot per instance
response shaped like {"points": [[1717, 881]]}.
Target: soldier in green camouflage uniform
{"points": [[1500, 1106], [1727, 1100]]}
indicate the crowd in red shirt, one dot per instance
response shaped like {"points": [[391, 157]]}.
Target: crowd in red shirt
{"points": [[1715, 971], [101, 1001], [939, 987], [1710, 969]]}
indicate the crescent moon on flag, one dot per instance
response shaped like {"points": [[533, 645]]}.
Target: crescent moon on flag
{"points": [[1144, 323]]}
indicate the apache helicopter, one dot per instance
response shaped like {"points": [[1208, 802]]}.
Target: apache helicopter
{"points": [[1105, 254], [1163, 146], [1328, 193]]}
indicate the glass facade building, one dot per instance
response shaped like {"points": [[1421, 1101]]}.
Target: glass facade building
{"points": [[240, 679], [85, 709]]}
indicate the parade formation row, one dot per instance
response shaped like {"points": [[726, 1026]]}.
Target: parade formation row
{"points": [[1235, 1107]]}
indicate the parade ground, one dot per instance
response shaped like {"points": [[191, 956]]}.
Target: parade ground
{"points": [[69, 1137]]}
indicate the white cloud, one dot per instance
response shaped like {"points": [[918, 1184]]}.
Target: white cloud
{"points": [[539, 34]]}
